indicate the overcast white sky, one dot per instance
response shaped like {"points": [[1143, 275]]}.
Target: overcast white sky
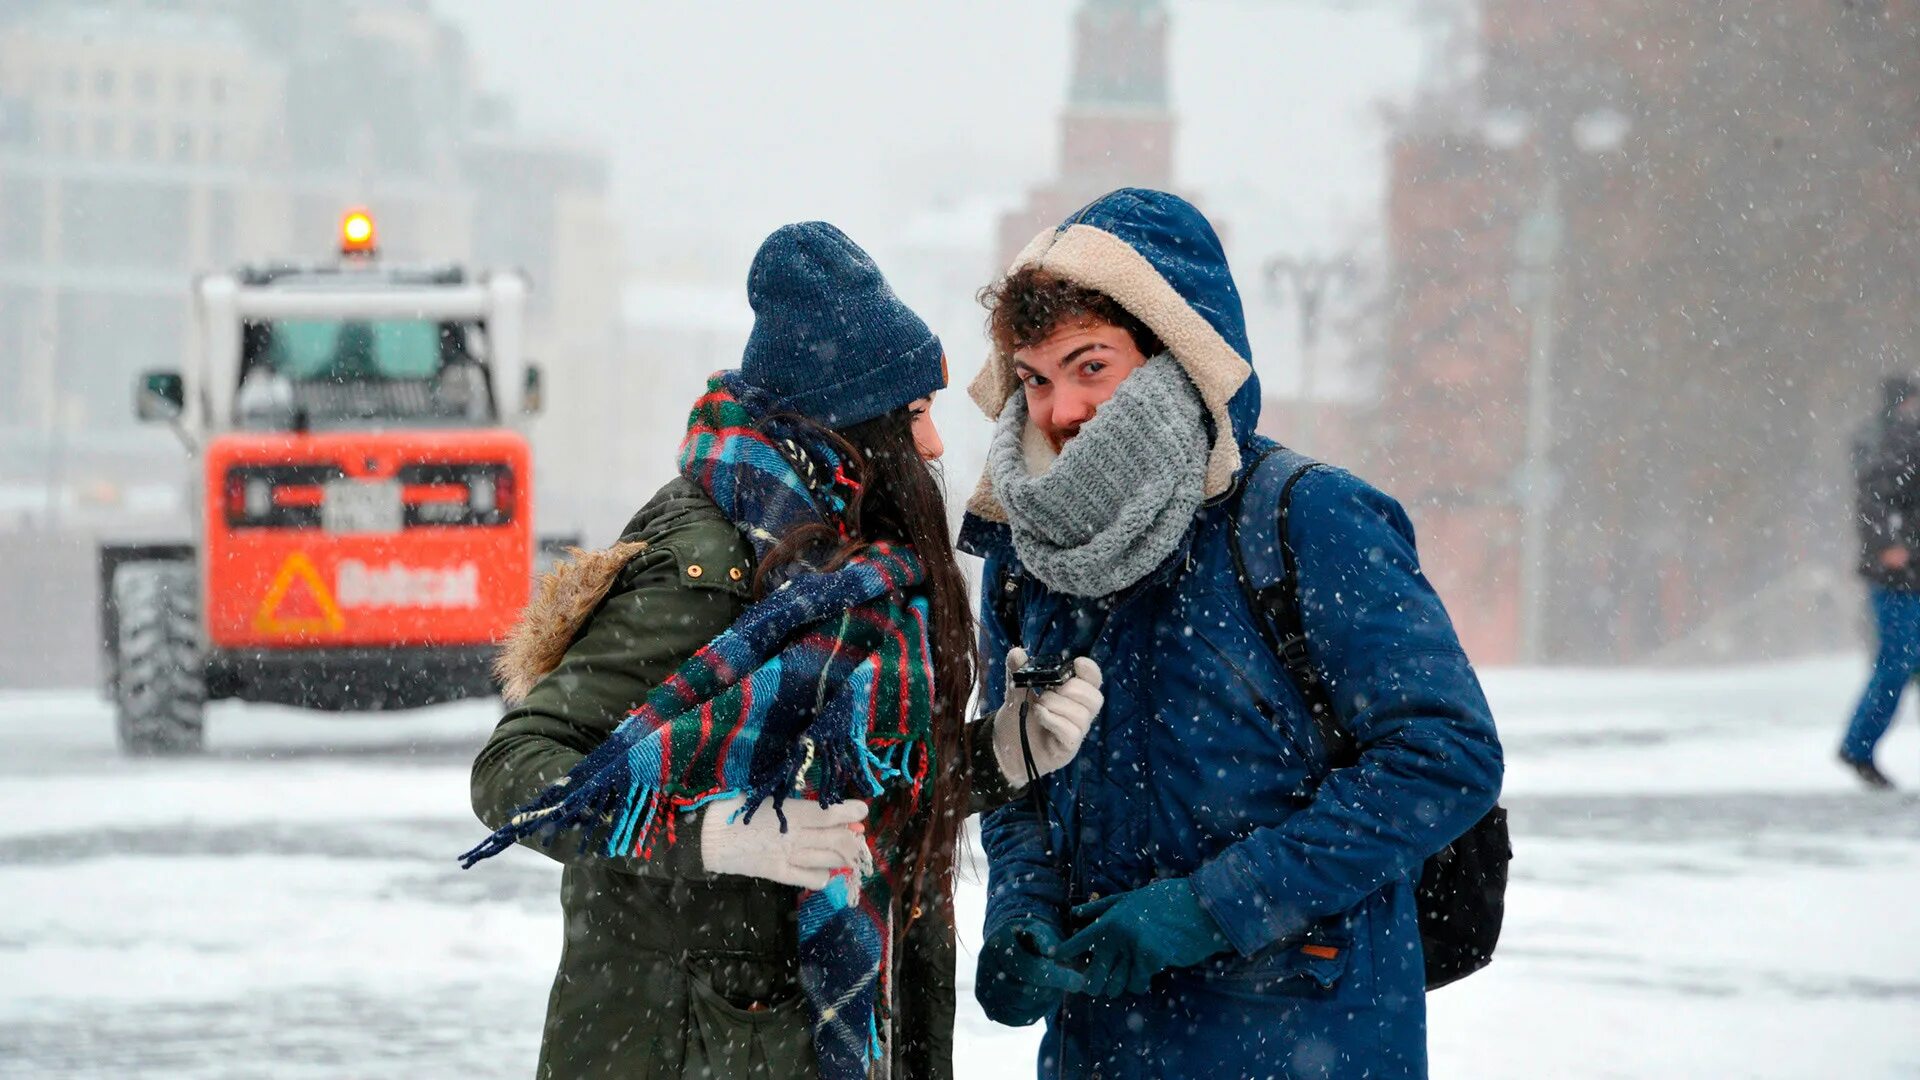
{"points": [[733, 116]]}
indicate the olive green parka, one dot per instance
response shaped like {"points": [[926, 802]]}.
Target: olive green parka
{"points": [[668, 971]]}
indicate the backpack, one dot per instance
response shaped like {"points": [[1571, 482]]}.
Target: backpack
{"points": [[1461, 894]]}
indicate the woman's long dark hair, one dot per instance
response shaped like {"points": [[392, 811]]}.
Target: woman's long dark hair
{"points": [[899, 499]]}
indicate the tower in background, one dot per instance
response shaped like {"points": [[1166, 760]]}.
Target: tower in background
{"points": [[1117, 129]]}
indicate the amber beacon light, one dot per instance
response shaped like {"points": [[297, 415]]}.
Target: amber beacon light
{"points": [[357, 235]]}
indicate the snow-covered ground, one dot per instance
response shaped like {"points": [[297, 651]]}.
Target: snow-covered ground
{"points": [[1699, 892]]}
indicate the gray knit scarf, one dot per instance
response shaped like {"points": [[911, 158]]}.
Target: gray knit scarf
{"points": [[1116, 501]]}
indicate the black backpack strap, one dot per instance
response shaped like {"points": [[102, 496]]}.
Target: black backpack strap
{"points": [[1269, 573]]}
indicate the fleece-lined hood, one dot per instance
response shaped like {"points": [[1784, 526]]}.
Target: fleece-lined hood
{"points": [[1158, 257]]}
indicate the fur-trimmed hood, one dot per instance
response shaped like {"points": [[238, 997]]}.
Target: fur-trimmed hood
{"points": [[564, 599], [1158, 257]]}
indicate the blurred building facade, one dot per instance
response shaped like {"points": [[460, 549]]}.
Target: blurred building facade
{"points": [[1648, 266], [143, 142]]}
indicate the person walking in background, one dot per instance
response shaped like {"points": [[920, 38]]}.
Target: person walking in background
{"points": [[742, 728], [1887, 514], [1201, 892]]}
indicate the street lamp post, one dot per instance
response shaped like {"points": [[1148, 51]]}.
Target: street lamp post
{"points": [[1536, 250], [1310, 280]]}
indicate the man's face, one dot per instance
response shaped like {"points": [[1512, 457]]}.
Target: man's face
{"points": [[1072, 373]]}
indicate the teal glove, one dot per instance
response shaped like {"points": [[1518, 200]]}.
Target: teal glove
{"points": [[1017, 981], [1137, 935]]}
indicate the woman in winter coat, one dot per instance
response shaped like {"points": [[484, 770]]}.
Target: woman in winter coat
{"points": [[742, 727]]}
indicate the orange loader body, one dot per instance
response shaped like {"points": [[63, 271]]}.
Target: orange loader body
{"points": [[294, 584]]}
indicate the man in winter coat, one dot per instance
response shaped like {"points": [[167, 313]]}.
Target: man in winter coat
{"points": [[1887, 514], [1198, 894]]}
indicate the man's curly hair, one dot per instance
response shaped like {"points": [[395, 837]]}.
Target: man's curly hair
{"points": [[1027, 306]]}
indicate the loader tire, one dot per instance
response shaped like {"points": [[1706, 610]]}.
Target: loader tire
{"points": [[160, 689]]}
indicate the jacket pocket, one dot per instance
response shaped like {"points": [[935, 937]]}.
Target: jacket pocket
{"points": [[1313, 967], [746, 1019]]}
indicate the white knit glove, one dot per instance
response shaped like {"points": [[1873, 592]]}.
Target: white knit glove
{"points": [[817, 842], [1057, 720]]}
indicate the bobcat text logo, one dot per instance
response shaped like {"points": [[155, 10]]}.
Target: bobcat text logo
{"points": [[398, 585]]}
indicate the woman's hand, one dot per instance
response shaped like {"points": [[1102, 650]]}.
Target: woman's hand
{"points": [[817, 842]]}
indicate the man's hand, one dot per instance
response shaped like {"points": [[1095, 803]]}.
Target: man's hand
{"points": [[1017, 981], [1137, 935], [1057, 721], [816, 843], [1895, 558]]}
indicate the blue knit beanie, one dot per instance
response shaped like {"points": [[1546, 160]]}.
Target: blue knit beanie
{"points": [[830, 341]]}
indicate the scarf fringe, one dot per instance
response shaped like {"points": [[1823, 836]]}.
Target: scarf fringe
{"points": [[612, 801]]}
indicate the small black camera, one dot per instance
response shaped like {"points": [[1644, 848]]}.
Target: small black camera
{"points": [[1043, 674]]}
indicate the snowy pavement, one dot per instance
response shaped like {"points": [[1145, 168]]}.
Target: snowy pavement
{"points": [[1699, 892]]}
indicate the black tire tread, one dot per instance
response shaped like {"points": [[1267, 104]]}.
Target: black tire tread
{"points": [[160, 687]]}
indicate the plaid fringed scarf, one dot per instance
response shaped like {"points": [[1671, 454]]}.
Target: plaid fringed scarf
{"points": [[822, 690]]}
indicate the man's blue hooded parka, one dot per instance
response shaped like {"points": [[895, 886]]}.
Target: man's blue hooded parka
{"points": [[1204, 763]]}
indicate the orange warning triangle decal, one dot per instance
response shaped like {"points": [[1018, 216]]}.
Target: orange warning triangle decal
{"points": [[298, 602]]}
